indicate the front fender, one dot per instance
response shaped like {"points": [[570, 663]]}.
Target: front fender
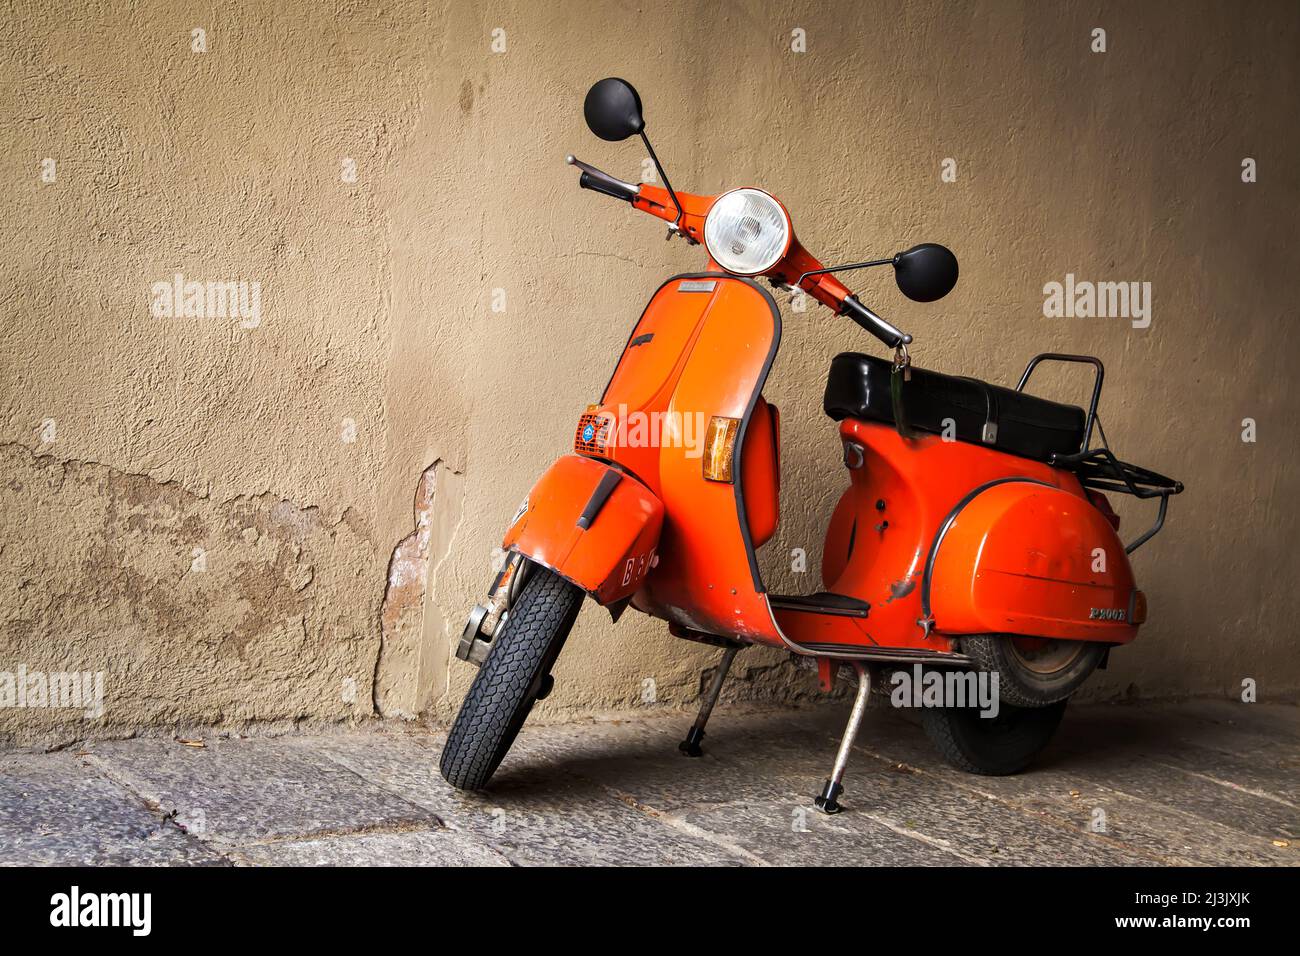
{"points": [[593, 524]]}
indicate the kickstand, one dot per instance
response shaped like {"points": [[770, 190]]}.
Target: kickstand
{"points": [[691, 745], [828, 801]]}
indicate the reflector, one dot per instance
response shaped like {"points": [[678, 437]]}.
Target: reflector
{"points": [[719, 443]]}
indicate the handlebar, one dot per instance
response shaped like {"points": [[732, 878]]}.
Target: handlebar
{"points": [[801, 270], [602, 182], [797, 266], [881, 329]]}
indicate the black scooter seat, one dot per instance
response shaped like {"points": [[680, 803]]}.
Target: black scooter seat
{"points": [[966, 408]]}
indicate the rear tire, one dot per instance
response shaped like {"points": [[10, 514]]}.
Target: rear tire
{"points": [[1034, 671], [513, 677], [991, 746]]}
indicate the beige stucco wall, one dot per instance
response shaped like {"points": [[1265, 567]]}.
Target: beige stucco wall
{"points": [[180, 508]]}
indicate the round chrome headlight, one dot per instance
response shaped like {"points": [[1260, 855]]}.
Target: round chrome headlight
{"points": [[747, 231]]}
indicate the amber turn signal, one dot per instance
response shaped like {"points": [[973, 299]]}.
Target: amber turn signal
{"points": [[1137, 612], [719, 445]]}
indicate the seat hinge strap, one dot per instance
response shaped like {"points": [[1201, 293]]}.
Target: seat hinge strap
{"points": [[900, 372]]}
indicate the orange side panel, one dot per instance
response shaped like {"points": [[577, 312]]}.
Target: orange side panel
{"points": [[1026, 559], [610, 558], [890, 514]]}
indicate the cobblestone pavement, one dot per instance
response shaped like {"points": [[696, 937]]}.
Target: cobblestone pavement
{"points": [[1193, 783]]}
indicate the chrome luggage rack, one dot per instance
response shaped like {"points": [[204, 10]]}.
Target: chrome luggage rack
{"points": [[1098, 468]]}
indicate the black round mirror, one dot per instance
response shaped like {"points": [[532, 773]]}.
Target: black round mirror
{"points": [[925, 272], [613, 110]]}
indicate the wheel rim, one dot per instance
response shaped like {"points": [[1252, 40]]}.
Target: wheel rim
{"points": [[1044, 655]]}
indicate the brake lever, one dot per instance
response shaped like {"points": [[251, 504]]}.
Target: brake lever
{"points": [[585, 167]]}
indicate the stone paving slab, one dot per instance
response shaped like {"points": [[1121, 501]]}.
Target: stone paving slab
{"points": [[1100, 763], [765, 768], [1198, 721], [533, 815], [1206, 770], [241, 791], [1202, 783], [415, 848], [786, 834], [56, 811]]}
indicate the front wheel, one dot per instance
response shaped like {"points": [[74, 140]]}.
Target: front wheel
{"points": [[993, 746], [513, 676]]}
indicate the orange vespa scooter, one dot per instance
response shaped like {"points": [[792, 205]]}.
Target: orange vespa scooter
{"points": [[973, 535]]}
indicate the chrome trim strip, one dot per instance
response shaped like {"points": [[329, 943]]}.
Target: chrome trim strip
{"points": [[894, 654]]}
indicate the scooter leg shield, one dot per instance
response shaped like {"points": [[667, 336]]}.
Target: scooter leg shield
{"points": [[592, 524], [1021, 557]]}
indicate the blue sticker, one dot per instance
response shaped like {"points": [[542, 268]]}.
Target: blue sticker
{"points": [[589, 432]]}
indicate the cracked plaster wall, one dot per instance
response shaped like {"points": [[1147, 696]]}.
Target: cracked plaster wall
{"points": [[129, 441]]}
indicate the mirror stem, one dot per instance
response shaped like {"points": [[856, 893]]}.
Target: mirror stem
{"points": [[664, 176], [843, 268]]}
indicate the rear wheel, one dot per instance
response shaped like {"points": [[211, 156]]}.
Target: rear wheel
{"points": [[1034, 671], [515, 674], [993, 746]]}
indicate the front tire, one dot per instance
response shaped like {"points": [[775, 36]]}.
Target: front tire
{"points": [[991, 746], [514, 675]]}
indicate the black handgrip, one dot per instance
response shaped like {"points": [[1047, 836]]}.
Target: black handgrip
{"points": [[608, 185], [873, 323]]}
